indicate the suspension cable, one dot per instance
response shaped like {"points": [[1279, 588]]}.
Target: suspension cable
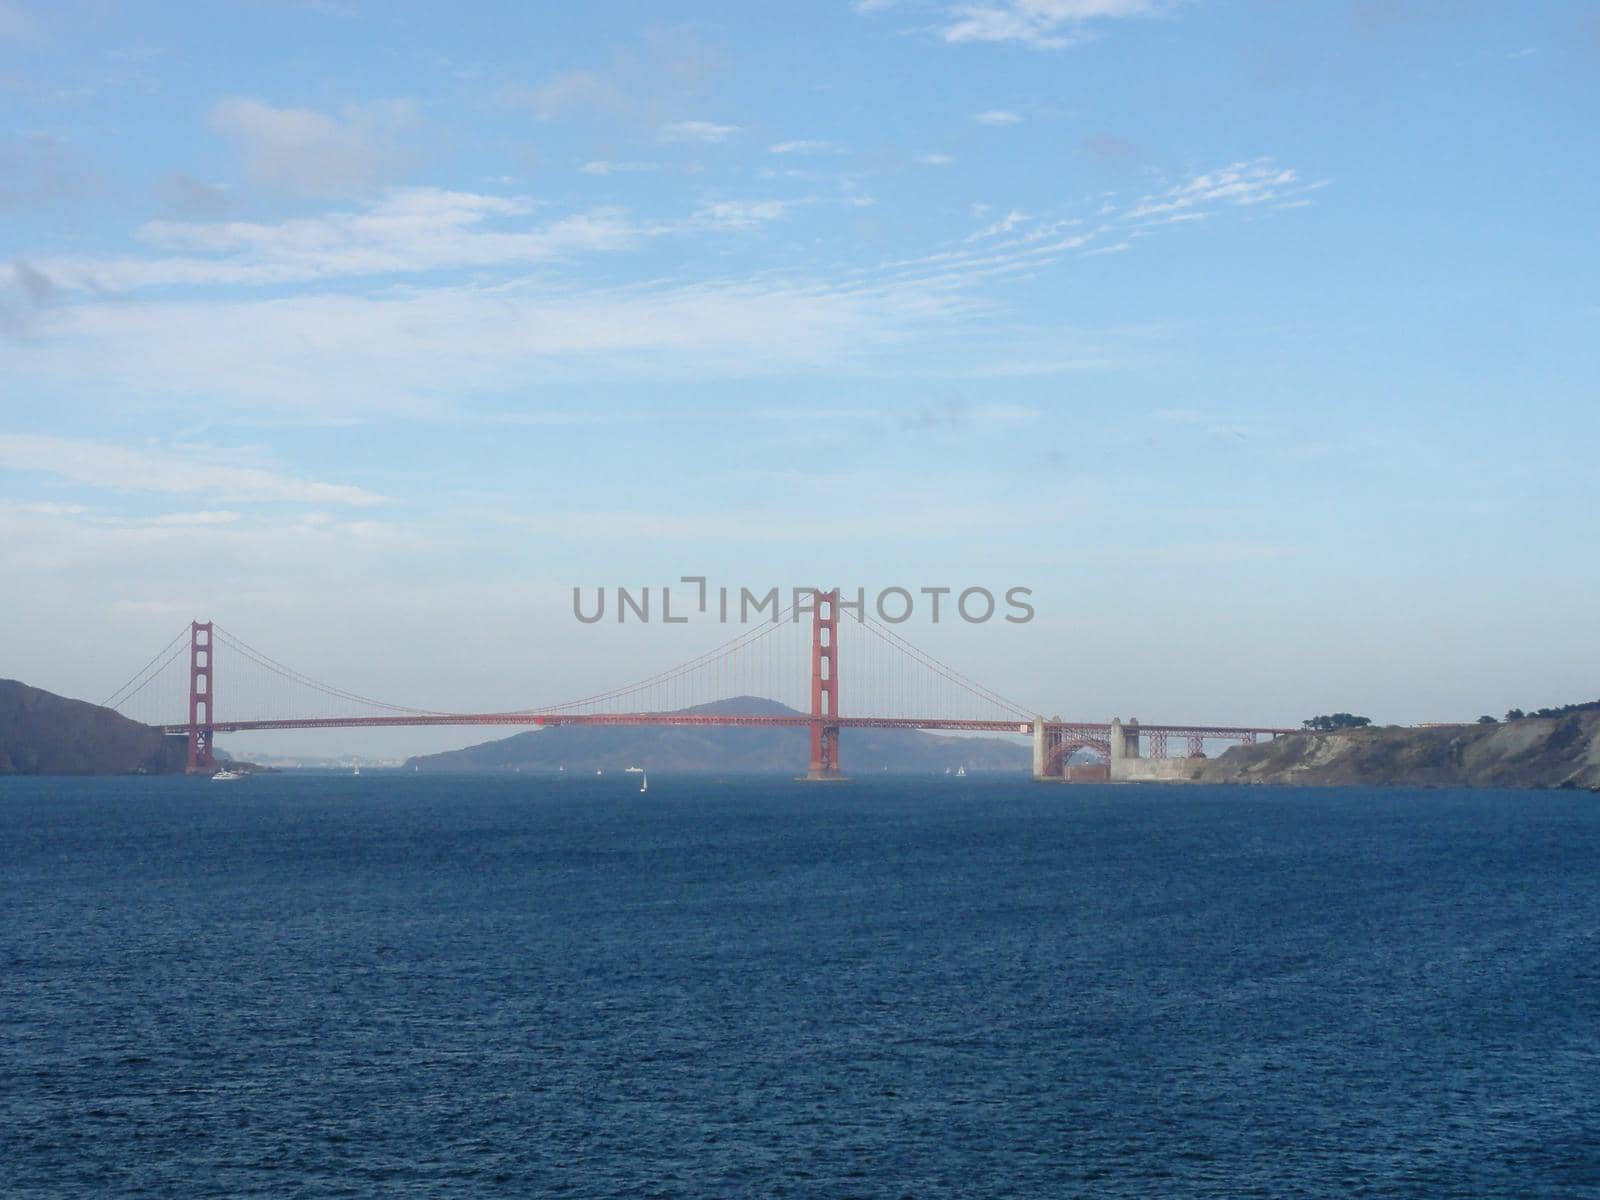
{"points": [[145, 673], [277, 668], [876, 627], [725, 649]]}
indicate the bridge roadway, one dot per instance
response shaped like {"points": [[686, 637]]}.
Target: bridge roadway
{"points": [[785, 720]]}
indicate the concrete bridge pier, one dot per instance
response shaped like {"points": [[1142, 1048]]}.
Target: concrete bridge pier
{"points": [[1049, 763], [1124, 745], [1129, 765]]}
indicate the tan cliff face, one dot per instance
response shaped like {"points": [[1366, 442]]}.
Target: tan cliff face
{"points": [[1535, 752]]}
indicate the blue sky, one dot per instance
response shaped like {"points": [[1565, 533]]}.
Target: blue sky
{"points": [[1258, 339]]}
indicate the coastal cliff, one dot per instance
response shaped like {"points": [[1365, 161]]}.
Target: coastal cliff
{"points": [[45, 734], [1534, 752]]}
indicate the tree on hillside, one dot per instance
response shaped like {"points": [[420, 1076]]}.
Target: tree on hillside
{"points": [[1486, 719], [1336, 721]]}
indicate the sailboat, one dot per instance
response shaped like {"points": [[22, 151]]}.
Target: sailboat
{"points": [[961, 770], [644, 780]]}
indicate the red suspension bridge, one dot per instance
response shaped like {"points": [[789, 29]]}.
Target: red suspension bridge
{"points": [[794, 658]]}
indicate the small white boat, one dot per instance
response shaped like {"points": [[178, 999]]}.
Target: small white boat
{"points": [[961, 770], [227, 774], [357, 771]]}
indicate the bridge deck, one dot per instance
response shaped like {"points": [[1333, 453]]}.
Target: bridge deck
{"points": [[792, 721]]}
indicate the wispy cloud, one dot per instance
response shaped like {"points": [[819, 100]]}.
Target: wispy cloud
{"points": [[408, 230], [118, 468], [604, 167], [696, 131], [437, 345], [1004, 225], [1042, 24], [741, 214], [800, 146], [1239, 184], [996, 116]]}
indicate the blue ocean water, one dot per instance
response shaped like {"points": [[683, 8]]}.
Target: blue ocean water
{"points": [[411, 985]]}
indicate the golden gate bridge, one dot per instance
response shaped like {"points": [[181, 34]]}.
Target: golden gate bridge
{"points": [[795, 658]]}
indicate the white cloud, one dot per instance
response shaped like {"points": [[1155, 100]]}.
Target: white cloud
{"points": [[603, 167], [996, 116], [800, 146], [330, 356], [408, 230], [310, 152], [120, 469], [741, 214], [437, 350], [1042, 24], [696, 131], [1239, 184], [1004, 225], [435, 346]]}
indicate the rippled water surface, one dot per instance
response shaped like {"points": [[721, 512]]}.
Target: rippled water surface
{"points": [[390, 985]]}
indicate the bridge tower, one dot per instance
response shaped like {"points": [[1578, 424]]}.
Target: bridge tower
{"points": [[824, 685], [201, 697]]}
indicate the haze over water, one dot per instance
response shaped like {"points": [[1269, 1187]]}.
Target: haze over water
{"points": [[392, 985]]}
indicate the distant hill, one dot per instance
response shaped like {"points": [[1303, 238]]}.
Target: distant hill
{"points": [[730, 750], [45, 734]]}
